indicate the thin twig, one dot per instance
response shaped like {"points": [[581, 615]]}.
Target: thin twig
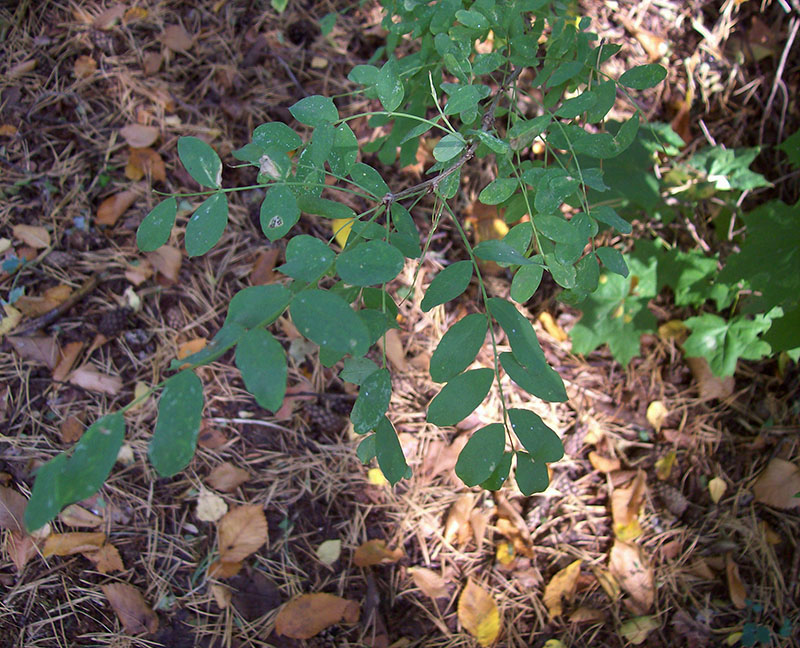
{"points": [[794, 25]]}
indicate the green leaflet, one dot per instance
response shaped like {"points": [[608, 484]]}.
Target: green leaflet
{"points": [[642, 77], [525, 282], [369, 180], [315, 110], [482, 454], [390, 456], [531, 475], [356, 370], [207, 225], [65, 480], [262, 361], [373, 262], [307, 258], [201, 161], [448, 147], [540, 379], [372, 402], [279, 212], [157, 225], [366, 449], [448, 284], [539, 440], [459, 397], [501, 252], [327, 319], [612, 259], [389, 86], [458, 347], [344, 153], [180, 410], [499, 476], [498, 191], [258, 305]]}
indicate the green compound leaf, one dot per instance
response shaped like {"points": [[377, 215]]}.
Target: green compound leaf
{"points": [[258, 305], [369, 180], [519, 331], [356, 370], [460, 397], [262, 361], [276, 136], [501, 252], [180, 409], [605, 94], [722, 342], [487, 63], [609, 216], [327, 319], [525, 282], [613, 260], [458, 347], [531, 475], [65, 480], [643, 76], [571, 108], [482, 454], [372, 402], [373, 262], [344, 153], [500, 474], [315, 110], [157, 225], [201, 161], [390, 455], [498, 191], [279, 212], [448, 284], [206, 225], [448, 147], [465, 99], [535, 436], [389, 86], [307, 258], [366, 449], [540, 380]]}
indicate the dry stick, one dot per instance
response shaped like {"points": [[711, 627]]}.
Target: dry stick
{"points": [[52, 315], [794, 24]]}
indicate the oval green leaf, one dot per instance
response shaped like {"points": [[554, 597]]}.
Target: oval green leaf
{"points": [[535, 436], [344, 152], [448, 147], [206, 225], [500, 474], [328, 320], [373, 262], [540, 380], [498, 191], [525, 282], [201, 161], [258, 305], [613, 260], [279, 212], [277, 136], [609, 216], [372, 402], [180, 409], [315, 110], [482, 454], [643, 76], [458, 347], [448, 284], [369, 180], [366, 449], [389, 86], [262, 361], [531, 475], [356, 370], [460, 397], [389, 452], [307, 258], [157, 225], [501, 252]]}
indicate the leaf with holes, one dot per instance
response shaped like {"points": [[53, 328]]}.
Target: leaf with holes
{"points": [[279, 212]]}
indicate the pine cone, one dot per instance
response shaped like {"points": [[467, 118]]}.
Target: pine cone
{"points": [[113, 322], [174, 317], [322, 419], [673, 499]]}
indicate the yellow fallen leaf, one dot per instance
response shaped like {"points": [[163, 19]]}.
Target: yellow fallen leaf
{"points": [[106, 559], [664, 465], [552, 327], [431, 583], [638, 628], [736, 588], [561, 585], [625, 505], [478, 614], [341, 229], [554, 643], [308, 615], [222, 595], [10, 320], [505, 553], [604, 464], [329, 551], [585, 614], [375, 552], [241, 532], [656, 414], [673, 330], [716, 489], [7, 130], [68, 544], [376, 477]]}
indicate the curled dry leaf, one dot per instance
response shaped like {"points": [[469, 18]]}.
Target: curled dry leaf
{"points": [[308, 615], [12, 509], [562, 585], [210, 506], [139, 136], [84, 66], [131, 608], [431, 583], [113, 207], [375, 552], [106, 559], [457, 526], [604, 464], [478, 614], [167, 261], [778, 484], [222, 595], [20, 548], [90, 378], [227, 478], [394, 350], [177, 38], [108, 18], [241, 532], [37, 237], [263, 271], [37, 348], [735, 585], [68, 544], [21, 69], [625, 505], [629, 565]]}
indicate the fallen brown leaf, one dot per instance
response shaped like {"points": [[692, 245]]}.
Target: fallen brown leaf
{"points": [[77, 516], [110, 210], [67, 358], [151, 63], [12, 510], [145, 161], [562, 585], [308, 615], [139, 272], [210, 437], [34, 306], [241, 532], [478, 614], [220, 569], [21, 69], [37, 348], [134, 13], [20, 548], [166, 260], [106, 559], [68, 544], [192, 346], [71, 429], [177, 38], [139, 136], [629, 565], [129, 605], [457, 525], [710, 386], [84, 66], [90, 378], [585, 614], [604, 464], [778, 484], [625, 506], [263, 269], [735, 585], [431, 583], [375, 552], [226, 477], [33, 235], [8, 130], [222, 595], [108, 18], [394, 350]]}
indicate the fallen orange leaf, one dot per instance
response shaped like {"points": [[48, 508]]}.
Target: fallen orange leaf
{"points": [[604, 464], [143, 161], [110, 210], [129, 605], [478, 613], [12, 509], [309, 614], [375, 552], [735, 585], [68, 544], [106, 559], [226, 477], [241, 532], [139, 135], [431, 583]]}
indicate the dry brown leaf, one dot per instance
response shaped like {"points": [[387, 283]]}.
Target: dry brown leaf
{"points": [[563, 584], [71, 429], [177, 38], [33, 235], [735, 585], [145, 161], [375, 552], [106, 559], [20, 549], [512, 525], [604, 464], [629, 565], [657, 413], [129, 605], [431, 583], [625, 505], [394, 350], [308, 615], [77, 516], [110, 17], [552, 327], [21, 69], [241, 532], [263, 271], [34, 306], [210, 437], [68, 544], [457, 525], [210, 506], [67, 358], [139, 136], [90, 378], [585, 614], [151, 63], [84, 66], [608, 582], [710, 386], [166, 260], [220, 569], [478, 614], [113, 207], [8, 130], [778, 484], [222, 595], [37, 348], [134, 13], [139, 272], [226, 477], [479, 521], [12, 510]]}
